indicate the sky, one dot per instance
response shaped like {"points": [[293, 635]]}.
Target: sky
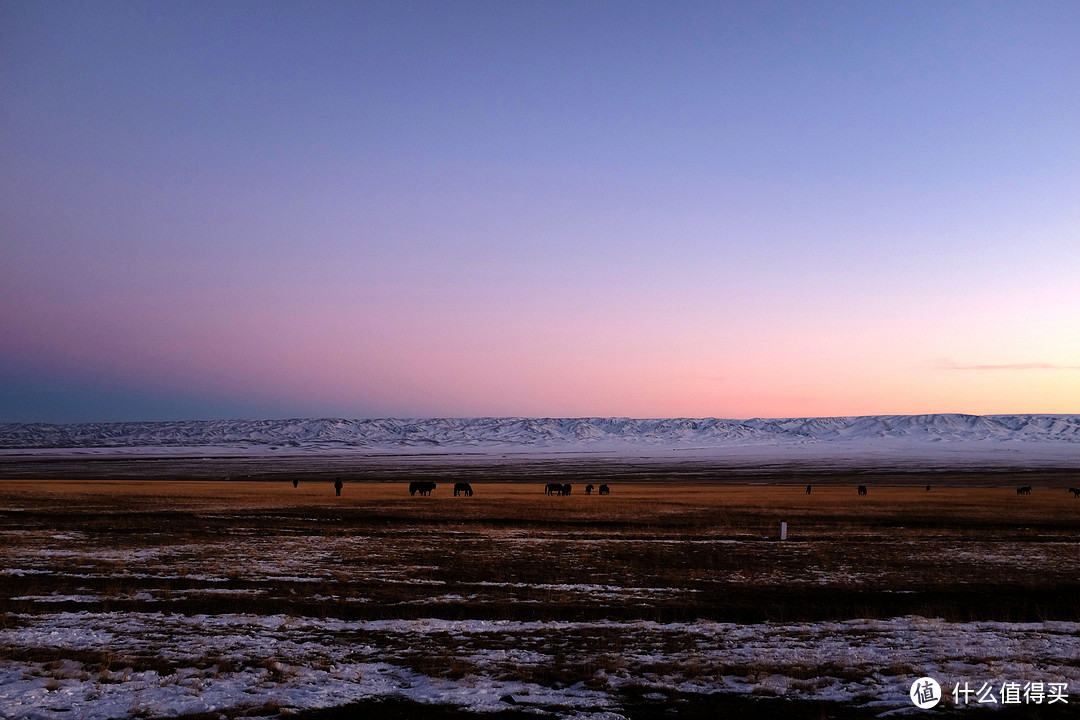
{"points": [[557, 209]]}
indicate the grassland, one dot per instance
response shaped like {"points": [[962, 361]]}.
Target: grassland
{"points": [[661, 596]]}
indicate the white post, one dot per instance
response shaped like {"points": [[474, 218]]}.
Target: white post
{"points": [[783, 531]]}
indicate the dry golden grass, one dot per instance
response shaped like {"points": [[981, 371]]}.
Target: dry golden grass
{"points": [[658, 505], [510, 551]]}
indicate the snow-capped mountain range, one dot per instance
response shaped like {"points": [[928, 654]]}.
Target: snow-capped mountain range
{"points": [[549, 434]]}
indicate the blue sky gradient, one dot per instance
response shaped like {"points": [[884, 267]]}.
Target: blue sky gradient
{"points": [[269, 209]]}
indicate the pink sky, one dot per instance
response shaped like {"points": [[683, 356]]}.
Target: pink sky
{"points": [[647, 211]]}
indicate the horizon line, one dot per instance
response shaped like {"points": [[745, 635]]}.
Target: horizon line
{"points": [[540, 417]]}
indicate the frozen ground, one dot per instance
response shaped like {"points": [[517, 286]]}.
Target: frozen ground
{"points": [[120, 665], [123, 599]]}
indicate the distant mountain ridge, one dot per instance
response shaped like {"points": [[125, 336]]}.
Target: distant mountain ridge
{"points": [[542, 433]]}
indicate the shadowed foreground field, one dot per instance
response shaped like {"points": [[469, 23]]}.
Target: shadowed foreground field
{"points": [[123, 598]]}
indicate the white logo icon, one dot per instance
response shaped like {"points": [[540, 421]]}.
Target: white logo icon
{"points": [[925, 693]]}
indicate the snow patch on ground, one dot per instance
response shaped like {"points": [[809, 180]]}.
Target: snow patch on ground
{"points": [[171, 664]]}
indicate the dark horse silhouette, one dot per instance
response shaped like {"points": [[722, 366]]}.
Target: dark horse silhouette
{"points": [[588, 489], [462, 489], [338, 485], [808, 489], [604, 490], [1075, 492], [862, 489], [421, 486], [1025, 490], [557, 489]]}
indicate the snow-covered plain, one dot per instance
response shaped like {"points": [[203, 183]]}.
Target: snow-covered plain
{"points": [[177, 618], [202, 664]]}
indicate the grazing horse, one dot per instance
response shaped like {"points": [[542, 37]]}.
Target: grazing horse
{"points": [[1025, 490], [862, 489], [462, 489], [1075, 492], [295, 483], [927, 488], [604, 490], [421, 486], [807, 489], [588, 489], [557, 489]]}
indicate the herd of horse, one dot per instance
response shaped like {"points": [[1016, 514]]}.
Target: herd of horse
{"points": [[464, 489], [561, 489], [1024, 490]]}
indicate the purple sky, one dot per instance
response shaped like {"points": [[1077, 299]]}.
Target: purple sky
{"points": [[270, 209]]}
